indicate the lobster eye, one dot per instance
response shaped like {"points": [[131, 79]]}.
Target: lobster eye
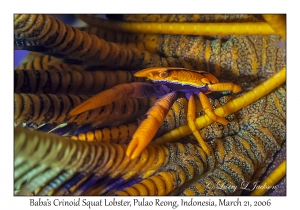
{"points": [[163, 74]]}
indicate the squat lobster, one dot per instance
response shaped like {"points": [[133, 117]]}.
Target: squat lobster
{"points": [[167, 83]]}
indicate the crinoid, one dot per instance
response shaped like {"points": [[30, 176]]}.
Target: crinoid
{"points": [[85, 151]]}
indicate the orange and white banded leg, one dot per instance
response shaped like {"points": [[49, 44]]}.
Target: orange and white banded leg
{"points": [[191, 116], [148, 128]]}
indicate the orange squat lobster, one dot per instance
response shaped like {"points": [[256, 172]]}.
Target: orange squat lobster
{"points": [[167, 84]]}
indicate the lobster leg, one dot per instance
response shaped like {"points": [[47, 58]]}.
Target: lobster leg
{"points": [[228, 86], [148, 128], [191, 116], [217, 87], [118, 92], [209, 110]]}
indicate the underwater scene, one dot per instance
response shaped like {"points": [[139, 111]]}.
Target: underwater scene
{"points": [[150, 105]]}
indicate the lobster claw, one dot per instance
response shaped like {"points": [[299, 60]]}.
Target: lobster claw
{"points": [[119, 92], [148, 128]]}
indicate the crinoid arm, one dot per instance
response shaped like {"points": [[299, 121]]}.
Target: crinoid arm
{"points": [[271, 180], [180, 28], [277, 22], [148, 128]]}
